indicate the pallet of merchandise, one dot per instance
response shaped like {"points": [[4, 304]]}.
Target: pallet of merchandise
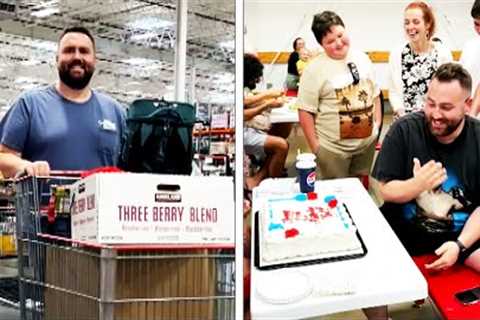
{"points": [[7, 245]]}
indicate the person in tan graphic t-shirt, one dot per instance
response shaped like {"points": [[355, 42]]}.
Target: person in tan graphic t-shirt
{"points": [[339, 105]]}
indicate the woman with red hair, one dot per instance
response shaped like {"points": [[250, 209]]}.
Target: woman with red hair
{"points": [[413, 64]]}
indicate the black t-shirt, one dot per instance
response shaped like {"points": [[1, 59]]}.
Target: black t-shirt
{"points": [[440, 214], [292, 63]]}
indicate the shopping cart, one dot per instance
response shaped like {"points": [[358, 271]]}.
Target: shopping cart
{"points": [[60, 278]]}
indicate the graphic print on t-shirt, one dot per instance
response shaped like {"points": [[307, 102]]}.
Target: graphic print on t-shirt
{"points": [[440, 210], [356, 109]]}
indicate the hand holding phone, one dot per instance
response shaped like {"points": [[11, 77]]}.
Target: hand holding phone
{"points": [[469, 296]]}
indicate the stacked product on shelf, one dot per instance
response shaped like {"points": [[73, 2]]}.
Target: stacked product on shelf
{"points": [[7, 219], [214, 140]]}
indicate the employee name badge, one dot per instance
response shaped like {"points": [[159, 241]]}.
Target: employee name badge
{"points": [[107, 125]]}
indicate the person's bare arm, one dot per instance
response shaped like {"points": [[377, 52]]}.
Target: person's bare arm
{"points": [[471, 231], [399, 191], [252, 100], [476, 102], [377, 111], [449, 251], [11, 163], [307, 122], [426, 177], [249, 113]]}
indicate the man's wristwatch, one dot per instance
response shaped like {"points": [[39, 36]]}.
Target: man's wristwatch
{"points": [[461, 246]]}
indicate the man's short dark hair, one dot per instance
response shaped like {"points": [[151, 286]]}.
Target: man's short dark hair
{"points": [[452, 71], [77, 29], [322, 22], [475, 10], [252, 70]]}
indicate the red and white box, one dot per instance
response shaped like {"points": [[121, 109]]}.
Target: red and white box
{"points": [[131, 208]]}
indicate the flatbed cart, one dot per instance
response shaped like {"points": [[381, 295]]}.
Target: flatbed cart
{"points": [[60, 278]]}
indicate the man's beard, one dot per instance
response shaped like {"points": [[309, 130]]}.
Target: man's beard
{"points": [[447, 130], [77, 83]]}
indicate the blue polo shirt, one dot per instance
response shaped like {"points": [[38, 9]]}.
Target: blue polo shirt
{"points": [[43, 125]]}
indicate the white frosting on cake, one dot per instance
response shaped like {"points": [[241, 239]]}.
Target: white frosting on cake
{"points": [[294, 229]]}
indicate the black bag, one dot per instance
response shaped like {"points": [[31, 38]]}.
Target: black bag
{"points": [[159, 138]]}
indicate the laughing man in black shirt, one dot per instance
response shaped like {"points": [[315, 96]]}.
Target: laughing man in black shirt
{"points": [[429, 174]]}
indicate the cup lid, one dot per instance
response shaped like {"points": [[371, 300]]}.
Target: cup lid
{"points": [[305, 164], [306, 157]]}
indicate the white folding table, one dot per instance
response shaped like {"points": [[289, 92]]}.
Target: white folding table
{"points": [[286, 113], [385, 275]]}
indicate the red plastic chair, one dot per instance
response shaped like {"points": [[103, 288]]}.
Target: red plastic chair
{"points": [[443, 285], [291, 93]]}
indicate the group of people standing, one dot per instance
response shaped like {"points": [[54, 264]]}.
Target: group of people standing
{"points": [[428, 166]]}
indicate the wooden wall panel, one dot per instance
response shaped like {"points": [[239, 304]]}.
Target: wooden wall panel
{"points": [[267, 57]]}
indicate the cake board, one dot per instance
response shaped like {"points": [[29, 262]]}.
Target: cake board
{"points": [[301, 261]]}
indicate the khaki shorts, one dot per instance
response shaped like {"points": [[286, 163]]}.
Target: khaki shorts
{"points": [[254, 142], [332, 165]]}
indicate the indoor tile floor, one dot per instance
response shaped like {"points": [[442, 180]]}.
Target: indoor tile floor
{"points": [[8, 313], [8, 269]]}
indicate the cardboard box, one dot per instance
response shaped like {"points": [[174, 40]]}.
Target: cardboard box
{"points": [[126, 208], [74, 275]]}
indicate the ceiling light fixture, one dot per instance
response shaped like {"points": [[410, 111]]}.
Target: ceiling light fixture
{"points": [[230, 44], [143, 36], [44, 45], [139, 61], [149, 24], [45, 12]]}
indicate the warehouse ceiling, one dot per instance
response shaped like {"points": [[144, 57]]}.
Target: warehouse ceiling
{"points": [[135, 47]]}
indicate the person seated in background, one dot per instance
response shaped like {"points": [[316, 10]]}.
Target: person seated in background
{"points": [[470, 59], [302, 62], [258, 142], [292, 72], [428, 174], [412, 65]]}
